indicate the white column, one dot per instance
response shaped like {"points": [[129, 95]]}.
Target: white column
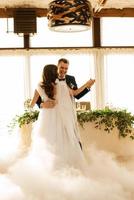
{"points": [[99, 74]]}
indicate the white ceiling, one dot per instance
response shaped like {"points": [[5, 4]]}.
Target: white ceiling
{"points": [[44, 3]]}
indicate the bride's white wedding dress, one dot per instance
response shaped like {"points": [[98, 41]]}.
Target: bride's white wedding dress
{"points": [[55, 167], [57, 130], [55, 163]]}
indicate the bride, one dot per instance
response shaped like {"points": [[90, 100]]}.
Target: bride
{"points": [[55, 166], [57, 127]]}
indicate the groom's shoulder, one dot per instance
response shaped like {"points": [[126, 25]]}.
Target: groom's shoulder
{"points": [[69, 77]]}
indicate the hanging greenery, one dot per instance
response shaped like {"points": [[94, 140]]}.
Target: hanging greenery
{"points": [[109, 119], [29, 116], [106, 119]]}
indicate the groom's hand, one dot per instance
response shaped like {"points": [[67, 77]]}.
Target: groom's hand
{"points": [[90, 83], [48, 104]]}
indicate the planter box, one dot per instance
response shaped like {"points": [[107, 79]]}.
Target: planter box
{"points": [[25, 132], [106, 141]]}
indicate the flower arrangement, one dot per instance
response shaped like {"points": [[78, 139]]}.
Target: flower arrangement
{"points": [[106, 119]]}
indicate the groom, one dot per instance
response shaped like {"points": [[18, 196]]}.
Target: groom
{"points": [[63, 65]]}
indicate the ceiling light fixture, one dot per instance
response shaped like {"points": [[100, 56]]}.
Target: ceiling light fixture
{"points": [[69, 15]]}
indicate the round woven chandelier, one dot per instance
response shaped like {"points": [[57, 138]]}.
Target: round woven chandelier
{"points": [[69, 15]]}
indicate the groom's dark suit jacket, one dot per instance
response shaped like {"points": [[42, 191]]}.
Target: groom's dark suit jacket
{"points": [[71, 82]]}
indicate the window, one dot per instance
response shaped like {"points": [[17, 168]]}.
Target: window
{"points": [[9, 39], [117, 31], [119, 81], [47, 38]]}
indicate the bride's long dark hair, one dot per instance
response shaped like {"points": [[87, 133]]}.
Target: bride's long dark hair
{"points": [[49, 76]]}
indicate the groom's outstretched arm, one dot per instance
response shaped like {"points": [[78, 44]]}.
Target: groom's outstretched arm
{"points": [[87, 85], [71, 82]]}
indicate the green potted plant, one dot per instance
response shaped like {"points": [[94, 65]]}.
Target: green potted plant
{"points": [[106, 119], [28, 116], [24, 121]]}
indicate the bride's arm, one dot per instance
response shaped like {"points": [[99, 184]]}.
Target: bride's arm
{"points": [[88, 84], [34, 99]]}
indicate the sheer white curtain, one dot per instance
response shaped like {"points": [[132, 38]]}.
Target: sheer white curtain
{"points": [[99, 101], [114, 71], [21, 70], [11, 88], [119, 78]]}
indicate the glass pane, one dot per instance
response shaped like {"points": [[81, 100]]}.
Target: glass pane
{"points": [[117, 31], [119, 81], [47, 38], [9, 39]]}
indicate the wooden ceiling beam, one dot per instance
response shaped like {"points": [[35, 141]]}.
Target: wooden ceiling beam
{"points": [[42, 12], [9, 12], [112, 12]]}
